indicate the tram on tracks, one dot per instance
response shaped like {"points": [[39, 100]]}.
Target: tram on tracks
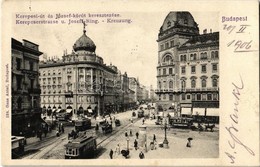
{"points": [[82, 147]]}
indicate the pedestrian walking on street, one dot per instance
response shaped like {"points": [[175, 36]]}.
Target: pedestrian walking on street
{"points": [[143, 121], [141, 155], [62, 128], [131, 133], [45, 132], [145, 146], [126, 134], [118, 149], [40, 134], [136, 145], [154, 138], [57, 133], [189, 142], [137, 134], [111, 154]]}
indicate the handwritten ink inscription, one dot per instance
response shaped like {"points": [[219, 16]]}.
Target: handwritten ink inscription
{"points": [[233, 130], [239, 45]]}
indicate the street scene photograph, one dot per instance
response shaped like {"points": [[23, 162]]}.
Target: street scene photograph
{"points": [[115, 85]]}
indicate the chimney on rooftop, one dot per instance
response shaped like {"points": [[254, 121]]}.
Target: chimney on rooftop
{"points": [[205, 31]]}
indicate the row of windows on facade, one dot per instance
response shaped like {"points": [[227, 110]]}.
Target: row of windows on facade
{"points": [[19, 64], [203, 56], [170, 71], [57, 99], [19, 83], [193, 83], [194, 97], [167, 45], [69, 71]]}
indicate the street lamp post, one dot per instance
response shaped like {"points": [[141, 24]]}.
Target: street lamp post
{"points": [[165, 142], [127, 143]]}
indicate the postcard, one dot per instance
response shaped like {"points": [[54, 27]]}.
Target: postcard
{"points": [[133, 83]]}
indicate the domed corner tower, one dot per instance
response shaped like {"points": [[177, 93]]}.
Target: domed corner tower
{"points": [[177, 28], [84, 43]]}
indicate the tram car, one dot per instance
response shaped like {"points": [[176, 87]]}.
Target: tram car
{"points": [[82, 124], [181, 122], [81, 148], [17, 146]]}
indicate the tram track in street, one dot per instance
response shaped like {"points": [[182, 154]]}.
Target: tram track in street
{"points": [[115, 132]]}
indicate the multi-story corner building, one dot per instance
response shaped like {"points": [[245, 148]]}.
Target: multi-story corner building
{"points": [[78, 82], [187, 71], [26, 111]]}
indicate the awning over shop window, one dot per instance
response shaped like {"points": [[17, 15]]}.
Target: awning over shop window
{"points": [[212, 111], [58, 110], [68, 110], [171, 114], [198, 111], [53, 110], [90, 111], [186, 111]]}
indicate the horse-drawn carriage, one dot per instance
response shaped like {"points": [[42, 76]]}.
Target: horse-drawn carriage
{"points": [[117, 122], [106, 128], [82, 124]]}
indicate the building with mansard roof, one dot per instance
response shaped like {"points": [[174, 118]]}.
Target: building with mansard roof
{"points": [[188, 66]]}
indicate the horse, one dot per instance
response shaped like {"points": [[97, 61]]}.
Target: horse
{"points": [[209, 127]]}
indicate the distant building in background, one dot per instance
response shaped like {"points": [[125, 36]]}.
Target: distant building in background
{"points": [[188, 66], [26, 111]]}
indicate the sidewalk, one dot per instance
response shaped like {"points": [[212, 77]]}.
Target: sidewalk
{"points": [[203, 145], [33, 141]]}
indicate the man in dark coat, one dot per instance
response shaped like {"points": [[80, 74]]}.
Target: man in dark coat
{"points": [[137, 134], [141, 155], [135, 144], [111, 154]]}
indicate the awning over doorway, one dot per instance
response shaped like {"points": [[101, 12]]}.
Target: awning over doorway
{"points": [[198, 111], [212, 111], [186, 111]]}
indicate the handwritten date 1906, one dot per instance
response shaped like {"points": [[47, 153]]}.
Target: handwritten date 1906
{"points": [[240, 46], [233, 129]]}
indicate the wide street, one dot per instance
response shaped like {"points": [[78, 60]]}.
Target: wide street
{"points": [[204, 144]]}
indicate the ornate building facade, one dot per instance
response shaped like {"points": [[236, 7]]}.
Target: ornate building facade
{"points": [[26, 111], [78, 82], [188, 70]]}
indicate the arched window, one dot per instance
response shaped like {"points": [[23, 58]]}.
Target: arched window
{"points": [[184, 58], [193, 83], [183, 84], [168, 59], [170, 84], [203, 56], [213, 55], [203, 83], [216, 54], [195, 56], [164, 85], [159, 85], [214, 82]]}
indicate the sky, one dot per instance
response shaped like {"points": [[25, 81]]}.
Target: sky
{"points": [[131, 47]]}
